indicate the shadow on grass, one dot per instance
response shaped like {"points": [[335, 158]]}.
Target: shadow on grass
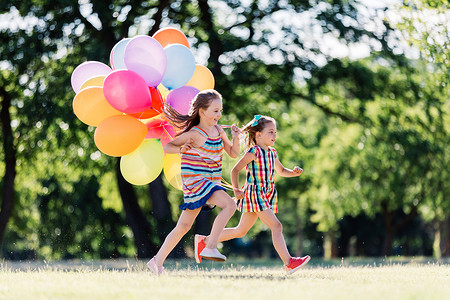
{"points": [[137, 265]]}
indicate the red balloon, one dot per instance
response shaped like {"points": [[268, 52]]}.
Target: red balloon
{"points": [[157, 105]]}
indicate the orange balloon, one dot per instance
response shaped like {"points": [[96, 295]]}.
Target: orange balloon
{"points": [[93, 81], [119, 135], [202, 79], [91, 107], [166, 36]]}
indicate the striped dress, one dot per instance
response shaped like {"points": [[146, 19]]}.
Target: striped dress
{"points": [[259, 189], [201, 171]]}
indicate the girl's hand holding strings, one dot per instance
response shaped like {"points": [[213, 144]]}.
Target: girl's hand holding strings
{"points": [[238, 193], [187, 146], [235, 131]]}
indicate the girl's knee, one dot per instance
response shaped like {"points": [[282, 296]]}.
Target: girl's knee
{"points": [[230, 206], [241, 232], [277, 227], [183, 227]]}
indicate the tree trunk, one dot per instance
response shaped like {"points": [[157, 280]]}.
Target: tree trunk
{"points": [[162, 212], [215, 44], [388, 229], [141, 228], [10, 163], [445, 240], [437, 226], [329, 244]]}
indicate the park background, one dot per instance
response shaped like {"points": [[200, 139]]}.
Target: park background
{"points": [[359, 90]]}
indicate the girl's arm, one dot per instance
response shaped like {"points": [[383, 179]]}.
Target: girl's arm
{"points": [[284, 172], [182, 143], [232, 149], [245, 160]]}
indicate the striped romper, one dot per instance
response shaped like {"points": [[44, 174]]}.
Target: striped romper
{"points": [[201, 171], [259, 189]]}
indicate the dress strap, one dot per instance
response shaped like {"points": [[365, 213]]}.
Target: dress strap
{"points": [[201, 131]]}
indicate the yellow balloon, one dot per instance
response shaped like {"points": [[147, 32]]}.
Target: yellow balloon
{"points": [[91, 107], [119, 135], [172, 170], [163, 90], [202, 79], [93, 81], [144, 164]]}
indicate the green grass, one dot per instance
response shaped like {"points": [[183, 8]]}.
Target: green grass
{"points": [[127, 279]]}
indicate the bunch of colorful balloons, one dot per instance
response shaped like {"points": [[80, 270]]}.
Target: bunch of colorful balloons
{"points": [[125, 101]]}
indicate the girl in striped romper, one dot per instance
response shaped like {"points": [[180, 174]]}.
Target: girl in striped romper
{"points": [[258, 197], [200, 143]]}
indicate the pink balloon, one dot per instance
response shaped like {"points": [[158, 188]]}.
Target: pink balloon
{"points": [[155, 129], [168, 134], [181, 98], [145, 56], [127, 92], [87, 70]]}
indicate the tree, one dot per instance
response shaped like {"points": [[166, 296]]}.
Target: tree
{"points": [[390, 159], [256, 53]]}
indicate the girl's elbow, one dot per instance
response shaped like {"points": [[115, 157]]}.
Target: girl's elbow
{"points": [[234, 155]]}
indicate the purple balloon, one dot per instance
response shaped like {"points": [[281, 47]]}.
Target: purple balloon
{"points": [[181, 98], [127, 92], [87, 70], [145, 56]]}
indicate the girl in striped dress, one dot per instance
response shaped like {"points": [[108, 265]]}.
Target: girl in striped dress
{"points": [[200, 143], [258, 197]]}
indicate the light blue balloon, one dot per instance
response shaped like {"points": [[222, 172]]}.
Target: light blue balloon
{"points": [[180, 66], [117, 55]]}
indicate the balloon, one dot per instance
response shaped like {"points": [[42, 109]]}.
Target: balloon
{"points": [[172, 170], [145, 56], [157, 106], [91, 107], [180, 66], [155, 128], [168, 134], [181, 98], [202, 79], [93, 81], [144, 164], [116, 58], [119, 135], [163, 90], [85, 71], [126, 91], [166, 36]]}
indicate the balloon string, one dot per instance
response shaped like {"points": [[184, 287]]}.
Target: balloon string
{"points": [[225, 184], [168, 133]]}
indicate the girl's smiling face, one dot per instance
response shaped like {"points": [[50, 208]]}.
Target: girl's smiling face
{"points": [[213, 113], [268, 135]]}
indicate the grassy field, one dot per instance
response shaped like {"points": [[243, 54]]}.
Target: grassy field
{"points": [[127, 279]]}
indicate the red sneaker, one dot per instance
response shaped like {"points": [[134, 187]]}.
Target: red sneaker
{"points": [[199, 245], [296, 263]]}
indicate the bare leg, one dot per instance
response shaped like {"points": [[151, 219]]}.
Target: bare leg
{"points": [[184, 223], [248, 219], [224, 201], [268, 217]]}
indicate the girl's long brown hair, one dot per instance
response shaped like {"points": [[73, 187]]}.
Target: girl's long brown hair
{"points": [[254, 126], [186, 122]]}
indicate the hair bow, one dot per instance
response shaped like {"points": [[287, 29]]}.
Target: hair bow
{"points": [[256, 119]]}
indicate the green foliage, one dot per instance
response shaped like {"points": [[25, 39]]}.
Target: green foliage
{"points": [[367, 133]]}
